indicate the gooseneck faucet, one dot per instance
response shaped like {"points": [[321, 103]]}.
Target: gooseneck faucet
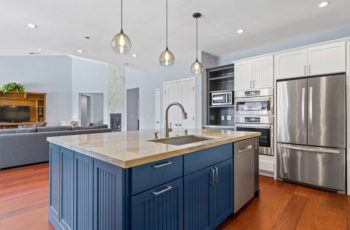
{"points": [[184, 116]]}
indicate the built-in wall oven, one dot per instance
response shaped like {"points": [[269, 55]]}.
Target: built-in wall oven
{"points": [[262, 124], [254, 113]]}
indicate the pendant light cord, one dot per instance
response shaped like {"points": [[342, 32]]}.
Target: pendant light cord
{"points": [[197, 39], [121, 15], [166, 24]]}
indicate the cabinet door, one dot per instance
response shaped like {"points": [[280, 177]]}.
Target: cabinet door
{"points": [[291, 64], [83, 192], [243, 75], [263, 72], [159, 209], [197, 190], [108, 196], [188, 100], [222, 193], [329, 58], [54, 180], [67, 192]]}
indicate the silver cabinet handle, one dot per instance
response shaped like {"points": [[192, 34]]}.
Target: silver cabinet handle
{"points": [[162, 165], [167, 188], [309, 69], [240, 150], [216, 175], [310, 109], [304, 69], [310, 149], [212, 176]]}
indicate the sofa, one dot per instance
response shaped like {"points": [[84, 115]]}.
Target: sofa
{"points": [[23, 146]]}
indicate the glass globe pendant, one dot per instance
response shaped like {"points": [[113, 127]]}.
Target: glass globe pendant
{"points": [[121, 43], [197, 67], [166, 58]]}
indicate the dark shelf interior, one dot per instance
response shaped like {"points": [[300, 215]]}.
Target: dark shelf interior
{"points": [[220, 79]]}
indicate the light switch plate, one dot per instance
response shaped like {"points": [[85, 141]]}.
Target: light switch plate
{"points": [[228, 117]]}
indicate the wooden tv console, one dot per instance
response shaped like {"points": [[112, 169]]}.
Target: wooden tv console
{"points": [[36, 102]]}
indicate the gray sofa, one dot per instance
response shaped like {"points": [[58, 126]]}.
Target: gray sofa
{"points": [[24, 146]]}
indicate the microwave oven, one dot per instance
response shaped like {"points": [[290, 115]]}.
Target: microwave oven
{"points": [[221, 98]]}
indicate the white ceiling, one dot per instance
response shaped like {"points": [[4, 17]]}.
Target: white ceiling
{"points": [[63, 24]]}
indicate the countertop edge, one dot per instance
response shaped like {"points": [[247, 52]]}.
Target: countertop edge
{"points": [[152, 158]]}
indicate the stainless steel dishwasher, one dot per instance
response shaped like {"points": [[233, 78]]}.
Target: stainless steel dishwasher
{"points": [[246, 168]]}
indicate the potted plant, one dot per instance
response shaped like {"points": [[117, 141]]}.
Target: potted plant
{"points": [[12, 86]]}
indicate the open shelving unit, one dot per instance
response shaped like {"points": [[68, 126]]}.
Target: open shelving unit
{"points": [[220, 79]]}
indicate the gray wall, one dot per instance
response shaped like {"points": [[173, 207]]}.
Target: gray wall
{"points": [[47, 74]]}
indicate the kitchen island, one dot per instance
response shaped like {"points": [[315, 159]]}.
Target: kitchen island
{"points": [[133, 180]]}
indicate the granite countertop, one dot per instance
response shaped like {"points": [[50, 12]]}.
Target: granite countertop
{"points": [[129, 149]]}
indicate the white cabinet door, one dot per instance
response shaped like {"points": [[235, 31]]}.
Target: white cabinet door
{"points": [[263, 72], [329, 58], [188, 100], [172, 94], [243, 75], [291, 64]]}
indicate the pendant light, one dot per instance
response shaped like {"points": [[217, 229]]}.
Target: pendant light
{"points": [[197, 67], [121, 43], [166, 58]]}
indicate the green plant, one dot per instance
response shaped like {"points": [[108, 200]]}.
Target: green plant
{"points": [[13, 86]]}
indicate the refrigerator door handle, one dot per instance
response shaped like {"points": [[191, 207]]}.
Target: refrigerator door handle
{"points": [[310, 112], [303, 106], [311, 149]]}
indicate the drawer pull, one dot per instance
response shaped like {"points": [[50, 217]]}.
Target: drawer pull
{"points": [[168, 188], [162, 165], [245, 148]]}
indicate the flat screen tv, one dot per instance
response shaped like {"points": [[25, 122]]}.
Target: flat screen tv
{"points": [[9, 113]]}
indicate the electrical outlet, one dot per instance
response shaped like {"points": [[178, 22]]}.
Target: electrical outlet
{"points": [[222, 117], [228, 117]]}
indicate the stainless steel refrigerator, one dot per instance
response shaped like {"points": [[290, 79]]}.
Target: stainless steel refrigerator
{"points": [[311, 131]]}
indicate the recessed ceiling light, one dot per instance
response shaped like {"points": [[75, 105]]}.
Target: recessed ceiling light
{"points": [[80, 51], [240, 31], [32, 26], [134, 55], [323, 4], [39, 49]]}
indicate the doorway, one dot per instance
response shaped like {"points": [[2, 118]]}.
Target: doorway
{"points": [[132, 109], [91, 108]]}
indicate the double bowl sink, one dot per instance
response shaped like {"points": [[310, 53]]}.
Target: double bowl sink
{"points": [[182, 140]]}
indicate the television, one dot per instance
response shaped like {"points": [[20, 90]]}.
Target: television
{"points": [[10, 113]]}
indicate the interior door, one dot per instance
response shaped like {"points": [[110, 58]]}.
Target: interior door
{"points": [[188, 100], [172, 94], [327, 111], [132, 109], [292, 111], [157, 109]]}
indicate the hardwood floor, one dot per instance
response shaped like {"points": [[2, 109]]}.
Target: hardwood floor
{"points": [[24, 204]]}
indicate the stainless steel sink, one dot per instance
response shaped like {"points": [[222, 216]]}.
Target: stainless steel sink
{"points": [[182, 140]]}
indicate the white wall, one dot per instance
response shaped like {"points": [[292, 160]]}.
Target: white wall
{"points": [[89, 76], [47, 74]]}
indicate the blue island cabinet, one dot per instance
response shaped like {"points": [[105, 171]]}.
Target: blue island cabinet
{"points": [[191, 192]]}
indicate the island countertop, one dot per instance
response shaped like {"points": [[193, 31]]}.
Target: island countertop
{"points": [[130, 149]]}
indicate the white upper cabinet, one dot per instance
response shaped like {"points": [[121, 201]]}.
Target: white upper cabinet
{"points": [[322, 59], [254, 73], [243, 75], [263, 72], [291, 64], [329, 58]]}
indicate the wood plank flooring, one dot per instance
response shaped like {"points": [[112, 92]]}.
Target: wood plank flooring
{"points": [[24, 205]]}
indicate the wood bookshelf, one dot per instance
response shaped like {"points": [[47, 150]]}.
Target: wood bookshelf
{"points": [[36, 102]]}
